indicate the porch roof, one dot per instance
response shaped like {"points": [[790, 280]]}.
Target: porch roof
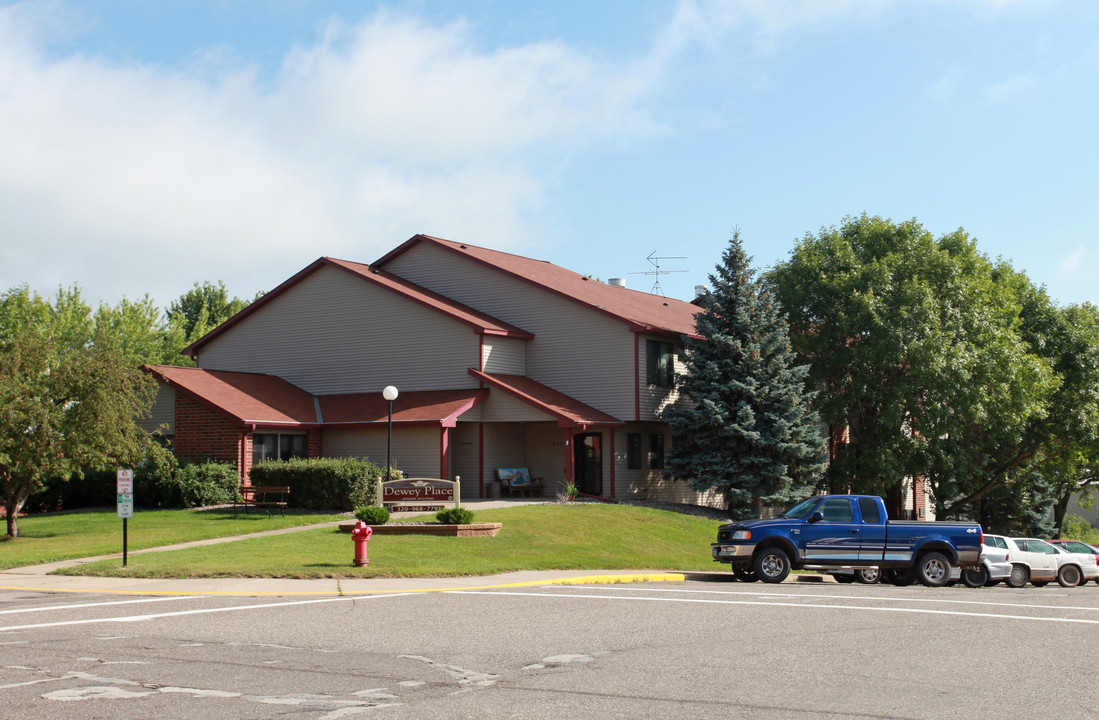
{"points": [[257, 399], [435, 407], [569, 411], [248, 398]]}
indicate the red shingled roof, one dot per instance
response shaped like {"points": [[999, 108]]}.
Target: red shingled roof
{"points": [[567, 410], [437, 407], [245, 397], [251, 398], [643, 311]]}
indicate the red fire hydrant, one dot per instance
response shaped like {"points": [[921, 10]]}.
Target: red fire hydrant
{"points": [[360, 534]]}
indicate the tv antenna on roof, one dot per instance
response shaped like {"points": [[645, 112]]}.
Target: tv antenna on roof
{"points": [[658, 272]]}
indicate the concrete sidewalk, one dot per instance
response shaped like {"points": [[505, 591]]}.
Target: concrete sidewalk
{"points": [[37, 578]]}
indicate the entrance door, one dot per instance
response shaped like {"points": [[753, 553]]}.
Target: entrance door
{"points": [[587, 455]]}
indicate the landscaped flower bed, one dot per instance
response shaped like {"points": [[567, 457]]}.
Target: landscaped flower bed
{"points": [[431, 528]]}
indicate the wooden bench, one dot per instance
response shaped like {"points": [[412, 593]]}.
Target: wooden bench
{"points": [[518, 481], [262, 496]]}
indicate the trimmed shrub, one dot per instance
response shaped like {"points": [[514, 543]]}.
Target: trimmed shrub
{"points": [[189, 485], [454, 516], [98, 488], [95, 489], [322, 483], [372, 514]]}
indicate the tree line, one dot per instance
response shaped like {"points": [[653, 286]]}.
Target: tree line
{"points": [[71, 388], [930, 359]]}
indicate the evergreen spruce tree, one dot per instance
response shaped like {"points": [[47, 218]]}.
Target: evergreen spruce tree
{"points": [[750, 433]]}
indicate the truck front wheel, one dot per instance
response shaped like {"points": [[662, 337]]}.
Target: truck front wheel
{"points": [[933, 569], [772, 565]]}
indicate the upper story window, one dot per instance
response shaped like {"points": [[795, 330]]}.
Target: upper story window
{"points": [[275, 446], [660, 363]]}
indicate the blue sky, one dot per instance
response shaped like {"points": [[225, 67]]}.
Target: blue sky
{"points": [[146, 146]]}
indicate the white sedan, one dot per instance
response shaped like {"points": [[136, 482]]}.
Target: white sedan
{"points": [[1039, 563]]}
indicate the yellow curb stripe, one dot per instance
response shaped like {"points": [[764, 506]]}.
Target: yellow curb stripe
{"points": [[581, 580]]}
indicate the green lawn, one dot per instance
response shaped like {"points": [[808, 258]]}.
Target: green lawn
{"points": [[79, 534], [534, 537]]}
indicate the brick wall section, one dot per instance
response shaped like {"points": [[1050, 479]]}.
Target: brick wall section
{"points": [[202, 434], [313, 444]]}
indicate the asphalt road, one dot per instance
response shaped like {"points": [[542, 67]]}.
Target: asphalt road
{"points": [[645, 650]]}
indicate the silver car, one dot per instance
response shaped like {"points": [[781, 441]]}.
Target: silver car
{"points": [[995, 566]]}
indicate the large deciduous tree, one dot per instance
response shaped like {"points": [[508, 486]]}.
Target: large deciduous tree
{"points": [[201, 309], [68, 397], [747, 430], [919, 348]]}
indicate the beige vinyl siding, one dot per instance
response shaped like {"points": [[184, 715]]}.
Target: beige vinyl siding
{"points": [[337, 333], [465, 457], [416, 451], [651, 484], [507, 356], [654, 399], [546, 456], [505, 446], [576, 350], [163, 411], [501, 407]]}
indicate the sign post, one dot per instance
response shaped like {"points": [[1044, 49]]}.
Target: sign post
{"points": [[125, 489]]}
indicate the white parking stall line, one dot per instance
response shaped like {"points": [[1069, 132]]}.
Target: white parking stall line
{"points": [[760, 603], [202, 611], [49, 608], [830, 596]]}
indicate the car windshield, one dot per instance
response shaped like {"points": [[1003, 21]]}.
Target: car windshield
{"points": [[802, 509]]}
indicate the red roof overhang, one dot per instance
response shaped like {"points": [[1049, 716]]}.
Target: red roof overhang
{"points": [[245, 398], [437, 408], [251, 399], [569, 411]]}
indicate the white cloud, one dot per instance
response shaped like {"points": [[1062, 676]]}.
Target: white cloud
{"points": [[134, 179], [1015, 89], [131, 178], [1072, 262], [945, 87]]}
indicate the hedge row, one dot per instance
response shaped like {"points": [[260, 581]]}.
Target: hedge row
{"points": [[318, 484], [184, 486], [322, 483]]}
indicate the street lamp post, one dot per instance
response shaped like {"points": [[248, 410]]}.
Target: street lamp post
{"points": [[390, 394]]}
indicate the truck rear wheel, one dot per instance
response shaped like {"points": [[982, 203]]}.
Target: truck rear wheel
{"points": [[933, 569], [868, 576], [772, 565]]}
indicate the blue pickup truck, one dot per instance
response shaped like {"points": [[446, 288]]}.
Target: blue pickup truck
{"points": [[851, 531]]}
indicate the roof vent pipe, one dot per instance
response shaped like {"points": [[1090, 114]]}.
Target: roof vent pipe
{"points": [[617, 282]]}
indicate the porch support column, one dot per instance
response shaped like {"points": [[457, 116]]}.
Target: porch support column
{"points": [[480, 459], [444, 454], [570, 470], [614, 464]]}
